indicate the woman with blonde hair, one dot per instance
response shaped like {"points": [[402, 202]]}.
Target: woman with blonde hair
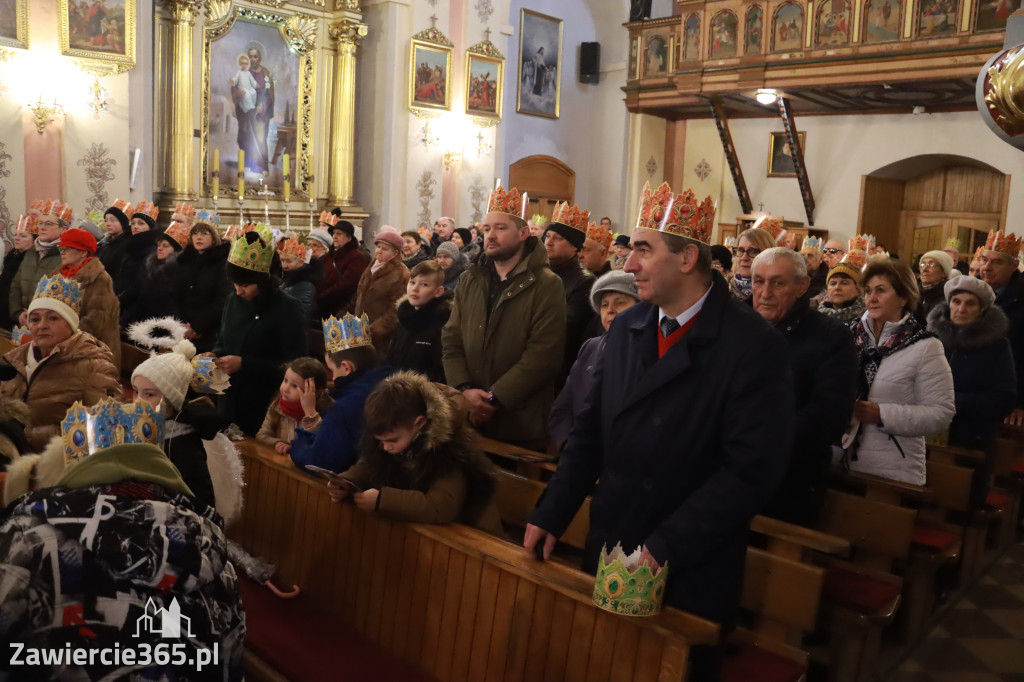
{"points": [[750, 243]]}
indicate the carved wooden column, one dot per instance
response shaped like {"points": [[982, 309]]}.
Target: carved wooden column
{"points": [[348, 33], [174, 28]]}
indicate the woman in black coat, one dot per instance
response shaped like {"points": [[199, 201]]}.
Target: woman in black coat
{"points": [[138, 247], [202, 285], [153, 293]]}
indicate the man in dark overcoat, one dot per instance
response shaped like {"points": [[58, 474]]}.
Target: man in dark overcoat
{"points": [[688, 424]]}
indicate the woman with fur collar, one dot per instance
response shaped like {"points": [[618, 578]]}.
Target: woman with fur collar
{"points": [[154, 294], [973, 334], [419, 463]]}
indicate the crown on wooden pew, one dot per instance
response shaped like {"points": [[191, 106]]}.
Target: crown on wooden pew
{"points": [[625, 586]]}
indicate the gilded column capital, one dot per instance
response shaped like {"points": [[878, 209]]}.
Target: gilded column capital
{"points": [[347, 4], [184, 9], [348, 32]]}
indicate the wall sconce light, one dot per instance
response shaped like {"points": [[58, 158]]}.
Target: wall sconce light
{"points": [[45, 113]]}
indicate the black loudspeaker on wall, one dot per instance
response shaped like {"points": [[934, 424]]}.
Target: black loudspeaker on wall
{"points": [[590, 62]]}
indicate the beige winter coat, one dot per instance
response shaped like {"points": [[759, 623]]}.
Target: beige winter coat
{"points": [[100, 307]]}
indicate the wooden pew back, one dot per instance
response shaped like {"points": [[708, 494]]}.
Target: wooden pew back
{"points": [[879, 532]]}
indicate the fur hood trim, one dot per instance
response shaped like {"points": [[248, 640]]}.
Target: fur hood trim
{"points": [[440, 426], [991, 326], [14, 410], [33, 472]]}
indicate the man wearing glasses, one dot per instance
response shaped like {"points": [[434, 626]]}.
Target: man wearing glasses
{"points": [[833, 252], [42, 260], [999, 263]]}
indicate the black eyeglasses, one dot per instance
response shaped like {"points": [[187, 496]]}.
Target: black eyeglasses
{"points": [[834, 251], [739, 253]]}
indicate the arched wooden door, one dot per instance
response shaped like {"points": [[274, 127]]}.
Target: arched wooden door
{"points": [[545, 179]]}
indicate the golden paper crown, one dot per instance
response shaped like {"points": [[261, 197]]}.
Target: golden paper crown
{"points": [[771, 224], [262, 229], [813, 243], [38, 205], [187, 210], [329, 218], [250, 252], [123, 206], [601, 235], [571, 216], [862, 242], [57, 208], [681, 215], [348, 332], [623, 585], [1003, 243], [146, 208], [179, 232], [28, 223], [61, 289], [292, 247], [85, 430], [509, 202]]}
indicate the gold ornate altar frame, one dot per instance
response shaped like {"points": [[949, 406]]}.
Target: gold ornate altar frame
{"points": [[20, 39], [98, 62], [485, 52], [299, 33]]}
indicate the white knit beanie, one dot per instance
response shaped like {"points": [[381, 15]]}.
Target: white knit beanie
{"points": [[171, 372], [944, 260]]}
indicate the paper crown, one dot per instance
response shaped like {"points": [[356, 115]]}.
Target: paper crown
{"points": [[252, 252], [146, 208], [348, 332], [571, 215], [730, 242], [677, 214], [858, 258], [625, 586], [292, 247], [509, 202], [164, 334], [20, 335], [208, 217], [813, 243], [27, 223], [179, 232], [262, 229], [1003, 243], [56, 208], [978, 251], [953, 243], [123, 206], [64, 290], [85, 430], [232, 233], [538, 219], [38, 205], [187, 211], [329, 218], [862, 242], [771, 224], [601, 235], [207, 377]]}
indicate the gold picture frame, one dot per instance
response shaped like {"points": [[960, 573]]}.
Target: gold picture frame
{"points": [[484, 93], [430, 73], [106, 44], [780, 159], [14, 29], [298, 31], [540, 35]]}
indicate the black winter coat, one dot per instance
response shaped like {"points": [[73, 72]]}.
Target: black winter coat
{"points": [[133, 264], [198, 421], [343, 267], [984, 378], [1011, 300], [579, 314], [301, 283], [12, 261], [818, 281], [824, 367], [111, 253], [201, 288], [688, 447], [266, 333], [153, 295], [416, 341], [418, 257]]}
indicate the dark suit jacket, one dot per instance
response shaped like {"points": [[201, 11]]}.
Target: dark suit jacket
{"points": [[688, 447]]}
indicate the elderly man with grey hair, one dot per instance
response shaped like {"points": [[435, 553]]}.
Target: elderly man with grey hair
{"points": [[824, 366], [443, 229]]}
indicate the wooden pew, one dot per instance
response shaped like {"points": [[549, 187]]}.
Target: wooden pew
{"points": [[457, 602]]}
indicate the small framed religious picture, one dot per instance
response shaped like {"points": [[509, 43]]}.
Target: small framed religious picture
{"points": [[100, 31], [430, 72], [485, 79], [540, 64], [780, 155], [14, 23]]}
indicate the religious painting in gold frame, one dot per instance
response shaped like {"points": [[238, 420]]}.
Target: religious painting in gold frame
{"points": [[14, 24], [430, 72], [539, 91], [780, 156], [284, 46], [99, 31], [485, 81]]}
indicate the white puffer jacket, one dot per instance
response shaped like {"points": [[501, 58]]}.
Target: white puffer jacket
{"points": [[914, 392]]}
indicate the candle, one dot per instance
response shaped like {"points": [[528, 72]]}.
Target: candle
{"points": [[287, 180], [215, 182], [241, 173], [309, 176]]}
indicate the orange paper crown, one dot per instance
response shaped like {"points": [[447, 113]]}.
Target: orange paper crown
{"points": [[1003, 243], [146, 208], [862, 242], [38, 205], [772, 225], [232, 233], [601, 235], [510, 202], [978, 251], [856, 257], [292, 247], [571, 216], [123, 206], [27, 223], [329, 218], [187, 210], [680, 214], [56, 208], [179, 232]]}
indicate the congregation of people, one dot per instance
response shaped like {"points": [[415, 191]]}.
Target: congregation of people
{"points": [[686, 387]]}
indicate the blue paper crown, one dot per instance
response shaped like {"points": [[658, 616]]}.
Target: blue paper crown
{"points": [[813, 243], [207, 377], [208, 217], [85, 430], [58, 288], [730, 243], [348, 332]]}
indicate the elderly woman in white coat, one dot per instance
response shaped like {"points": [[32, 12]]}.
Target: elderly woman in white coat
{"points": [[906, 387]]}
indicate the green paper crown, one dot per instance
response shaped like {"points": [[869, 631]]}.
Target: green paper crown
{"points": [[624, 586], [251, 253]]}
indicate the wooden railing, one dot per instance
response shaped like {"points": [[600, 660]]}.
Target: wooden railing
{"points": [[461, 604]]}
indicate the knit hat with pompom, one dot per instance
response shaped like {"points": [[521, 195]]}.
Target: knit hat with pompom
{"points": [[171, 372]]}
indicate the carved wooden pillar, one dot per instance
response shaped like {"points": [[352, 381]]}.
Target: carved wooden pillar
{"points": [[348, 33], [174, 28]]}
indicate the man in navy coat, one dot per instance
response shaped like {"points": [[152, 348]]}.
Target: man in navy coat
{"points": [[688, 425]]}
